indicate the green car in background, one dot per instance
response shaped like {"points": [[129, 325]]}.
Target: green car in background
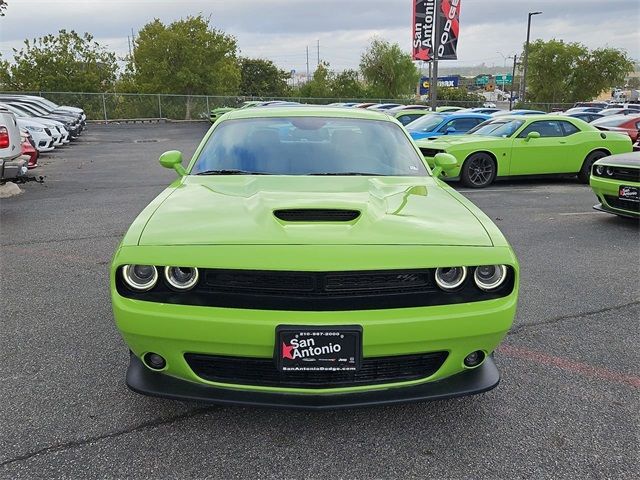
{"points": [[517, 145], [307, 257], [407, 116], [616, 182], [218, 112]]}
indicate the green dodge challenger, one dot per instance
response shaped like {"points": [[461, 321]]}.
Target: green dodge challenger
{"points": [[307, 257], [616, 182], [517, 145]]}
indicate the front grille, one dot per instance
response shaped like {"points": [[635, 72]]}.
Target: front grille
{"points": [[622, 173], [316, 215], [316, 291], [47, 131], [430, 152], [629, 205], [263, 371]]}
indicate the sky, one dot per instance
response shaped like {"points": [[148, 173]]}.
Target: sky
{"points": [[281, 30]]}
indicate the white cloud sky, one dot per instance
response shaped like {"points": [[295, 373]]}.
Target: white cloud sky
{"points": [[282, 29]]}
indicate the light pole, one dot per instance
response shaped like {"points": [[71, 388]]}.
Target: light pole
{"points": [[526, 56]]}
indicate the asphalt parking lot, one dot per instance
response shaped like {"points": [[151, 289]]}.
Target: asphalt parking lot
{"points": [[567, 406]]}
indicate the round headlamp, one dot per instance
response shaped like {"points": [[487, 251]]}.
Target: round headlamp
{"points": [[610, 171], [450, 278], [140, 277], [490, 277], [181, 278], [600, 169]]}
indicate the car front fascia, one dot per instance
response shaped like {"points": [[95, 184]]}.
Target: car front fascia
{"points": [[173, 330]]}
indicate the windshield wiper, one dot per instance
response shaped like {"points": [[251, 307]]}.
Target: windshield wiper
{"points": [[230, 172], [364, 174]]}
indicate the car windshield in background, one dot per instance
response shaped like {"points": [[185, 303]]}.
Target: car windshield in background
{"points": [[309, 146], [426, 123], [497, 128]]}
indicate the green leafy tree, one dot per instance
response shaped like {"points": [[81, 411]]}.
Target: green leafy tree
{"points": [[634, 83], [186, 57], [320, 84], [262, 78], [388, 71], [458, 94], [347, 84], [568, 72], [66, 62]]}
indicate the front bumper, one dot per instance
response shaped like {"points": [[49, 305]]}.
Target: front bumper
{"points": [[604, 188], [469, 382]]}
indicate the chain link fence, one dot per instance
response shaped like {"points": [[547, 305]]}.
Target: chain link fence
{"points": [[112, 106]]}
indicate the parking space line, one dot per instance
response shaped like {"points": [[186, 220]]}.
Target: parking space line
{"points": [[570, 365], [579, 213]]}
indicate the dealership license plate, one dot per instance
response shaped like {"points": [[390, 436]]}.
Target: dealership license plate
{"points": [[629, 193], [309, 349]]}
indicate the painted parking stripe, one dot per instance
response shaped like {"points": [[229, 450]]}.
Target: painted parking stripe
{"points": [[570, 365]]}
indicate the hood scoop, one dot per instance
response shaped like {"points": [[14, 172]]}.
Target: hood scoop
{"points": [[316, 215]]}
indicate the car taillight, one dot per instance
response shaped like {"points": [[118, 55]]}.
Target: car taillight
{"points": [[4, 137]]}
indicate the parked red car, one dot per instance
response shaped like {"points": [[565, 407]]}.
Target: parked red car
{"points": [[29, 149], [629, 124]]}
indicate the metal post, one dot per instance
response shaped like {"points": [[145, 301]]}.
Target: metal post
{"points": [[513, 81], [433, 84], [159, 107], [104, 107], [526, 57], [208, 109]]}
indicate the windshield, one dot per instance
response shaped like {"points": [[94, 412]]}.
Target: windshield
{"points": [[309, 146], [426, 123], [497, 128]]}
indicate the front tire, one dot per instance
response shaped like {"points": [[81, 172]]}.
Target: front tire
{"points": [[585, 171], [478, 171]]}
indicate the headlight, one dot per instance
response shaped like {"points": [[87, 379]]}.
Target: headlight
{"points": [[490, 277], [600, 169], [610, 171], [35, 129], [181, 278], [450, 278], [140, 277]]}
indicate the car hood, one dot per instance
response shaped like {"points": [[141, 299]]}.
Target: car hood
{"points": [[232, 210], [454, 140]]}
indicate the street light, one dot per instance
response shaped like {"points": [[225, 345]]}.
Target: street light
{"points": [[526, 56]]}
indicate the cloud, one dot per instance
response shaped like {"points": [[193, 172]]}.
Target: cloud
{"points": [[282, 29]]}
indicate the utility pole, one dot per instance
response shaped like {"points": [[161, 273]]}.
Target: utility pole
{"points": [[318, 64], [307, 63], [129, 42], [513, 81], [433, 84], [526, 56]]}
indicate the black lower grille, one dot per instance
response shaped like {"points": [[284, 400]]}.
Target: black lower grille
{"points": [[263, 371], [430, 152], [629, 205]]}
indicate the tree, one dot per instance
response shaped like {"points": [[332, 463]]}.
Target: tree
{"points": [[262, 78], [388, 71], [187, 57], [634, 83], [66, 62], [347, 84], [320, 84], [3, 6], [568, 72]]}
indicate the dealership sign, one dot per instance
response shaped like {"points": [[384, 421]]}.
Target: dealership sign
{"points": [[451, 81], [423, 35], [424, 14]]}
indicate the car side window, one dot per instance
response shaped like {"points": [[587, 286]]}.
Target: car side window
{"points": [[546, 128], [569, 128], [638, 125]]}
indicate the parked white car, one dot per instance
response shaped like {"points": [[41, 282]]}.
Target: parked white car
{"points": [[11, 165], [56, 129], [42, 136]]}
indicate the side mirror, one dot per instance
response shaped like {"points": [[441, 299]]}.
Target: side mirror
{"points": [[173, 159], [531, 135], [445, 162], [449, 131]]}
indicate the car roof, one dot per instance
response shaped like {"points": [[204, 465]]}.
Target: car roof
{"points": [[308, 111], [464, 114], [537, 116]]}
